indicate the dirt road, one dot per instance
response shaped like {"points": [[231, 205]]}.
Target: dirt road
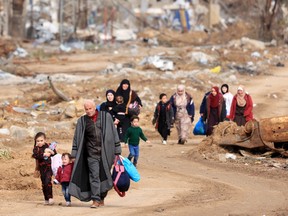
{"points": [[173, 184], [175, 179]]}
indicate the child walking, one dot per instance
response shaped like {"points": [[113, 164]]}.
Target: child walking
{"points": [[132, 136], [42, 154], [119, 113], [163, 117], [63, 176]]}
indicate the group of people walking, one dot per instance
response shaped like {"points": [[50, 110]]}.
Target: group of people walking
{"points": [[86, 172], [122, 104], [178, 110], [217, 105]]}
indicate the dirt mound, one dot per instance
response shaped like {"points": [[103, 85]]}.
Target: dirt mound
{"points": [[18, 176], [210, 147]]}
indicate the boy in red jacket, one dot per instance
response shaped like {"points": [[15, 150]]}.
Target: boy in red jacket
{"points": [[64, 176]]}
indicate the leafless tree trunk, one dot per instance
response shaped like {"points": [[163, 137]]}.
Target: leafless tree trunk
{"points": [[267, 18], [82, 14], [16, 19]]}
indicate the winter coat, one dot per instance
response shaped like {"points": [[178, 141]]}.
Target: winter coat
{"points": [[38, 155], [248, 114], [169, 115], [79, 186], [64, 173], [221, 108]]}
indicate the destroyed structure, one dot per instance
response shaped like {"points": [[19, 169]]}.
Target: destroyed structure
{"points": [[69, 25]]}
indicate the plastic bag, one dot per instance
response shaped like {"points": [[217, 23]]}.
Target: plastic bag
{"points": [[131, 169], [56, 162], [200, 127]]}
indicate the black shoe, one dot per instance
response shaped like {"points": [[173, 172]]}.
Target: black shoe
{"points": [[181, 142]]}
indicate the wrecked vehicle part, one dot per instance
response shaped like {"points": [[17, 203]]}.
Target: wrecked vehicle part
{"points": [[255, 134]]}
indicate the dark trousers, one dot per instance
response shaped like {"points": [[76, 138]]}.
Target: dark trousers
{"points": [[125, 124], [94, 177], [213, 120], [163, 130], [46, 179]]}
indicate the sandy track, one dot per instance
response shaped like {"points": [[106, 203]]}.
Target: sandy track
{"points": [[172, 184]]}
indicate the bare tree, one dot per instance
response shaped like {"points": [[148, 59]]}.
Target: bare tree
{"points": [[269, 12], [16, 25]]}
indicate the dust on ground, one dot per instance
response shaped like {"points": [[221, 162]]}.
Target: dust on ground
{"points": [[175, 179]]}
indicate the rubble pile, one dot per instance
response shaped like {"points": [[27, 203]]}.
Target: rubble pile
{"points": [[155, 55]]}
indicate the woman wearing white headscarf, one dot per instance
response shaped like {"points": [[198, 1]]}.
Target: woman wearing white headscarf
{"points": [[241, 107], [183, 107]]}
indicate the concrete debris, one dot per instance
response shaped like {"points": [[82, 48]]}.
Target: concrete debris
{"points": [[230, 156], [248, 43], [20, 52], [70, 111], [201, 58], [21, 110], [63, 126], [249, 68], [255, 55], [224, 157], [59, 77], [45, 31], [151, 41], [157, 62], [252, 44], [4, 131], [65, 48], [10, 78], [19, 133], [124, 34]]}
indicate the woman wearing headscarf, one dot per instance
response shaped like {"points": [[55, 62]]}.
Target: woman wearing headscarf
{"points": [[109, 103], [215, 109], [241, 107], [228, 97], [132, 102], [183, 107]]}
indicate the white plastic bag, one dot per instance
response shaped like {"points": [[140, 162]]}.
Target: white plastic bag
{"points": [[56, 162]]}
